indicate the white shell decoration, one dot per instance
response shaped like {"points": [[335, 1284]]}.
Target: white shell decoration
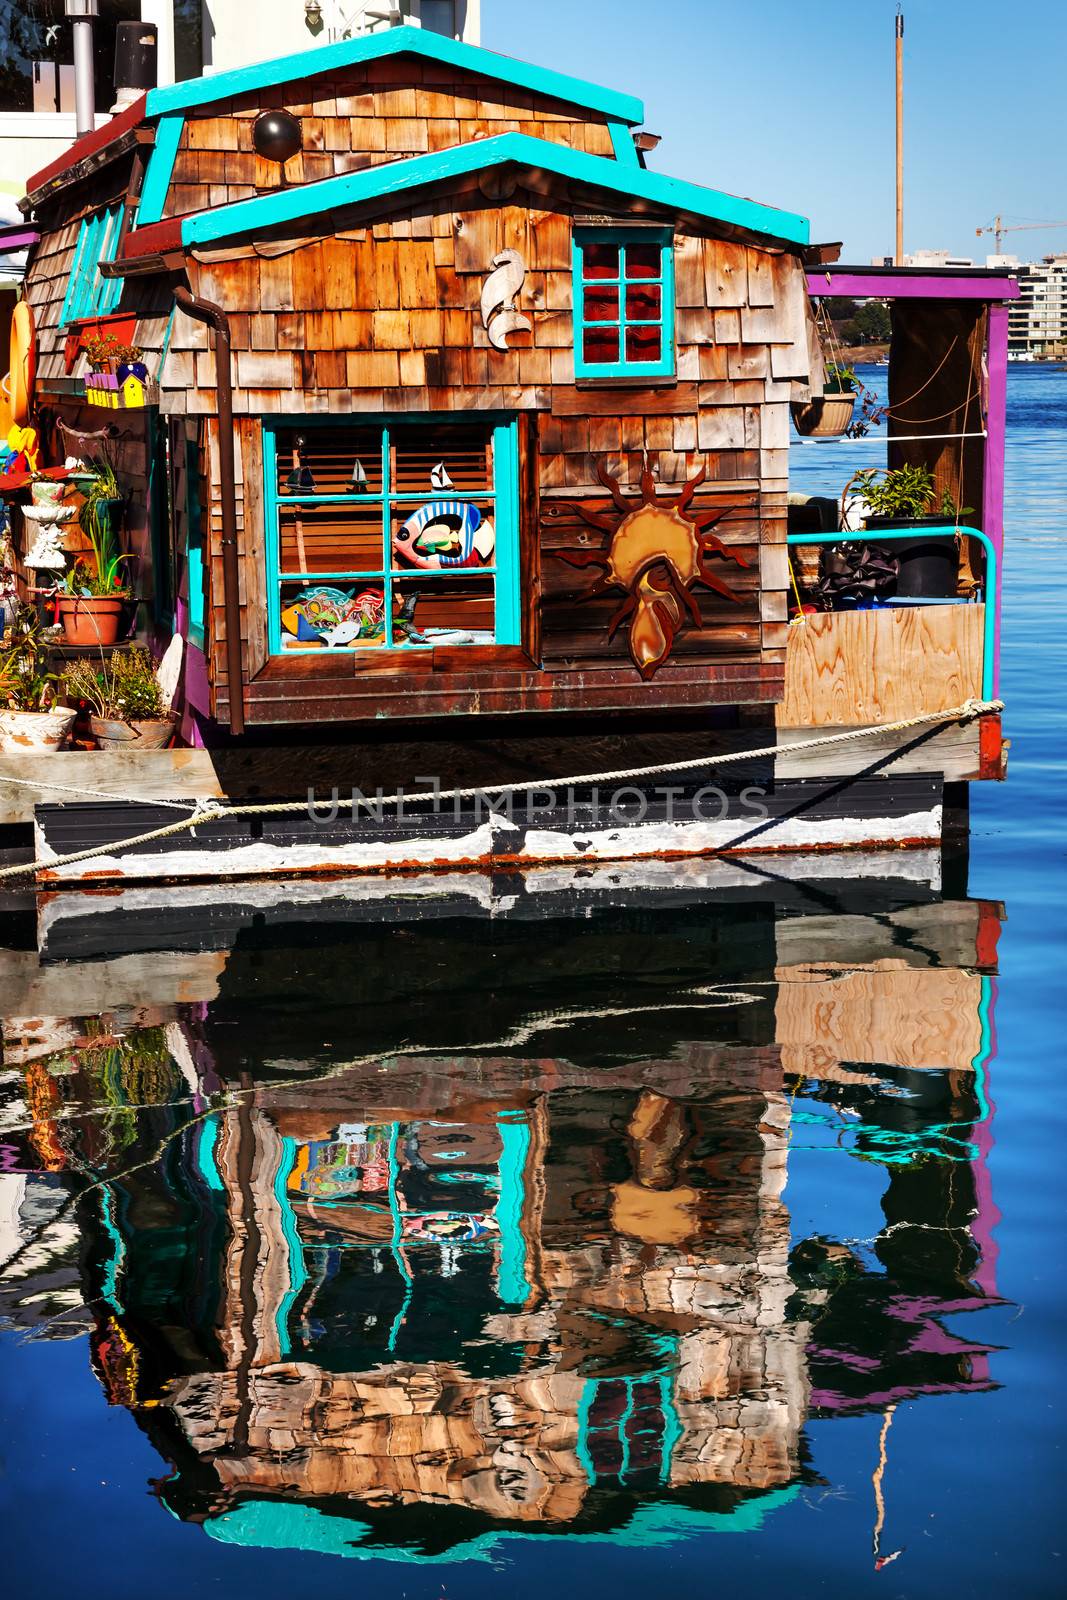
{"points": [[499, 317]]}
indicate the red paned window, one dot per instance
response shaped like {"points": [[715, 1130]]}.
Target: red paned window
{"points": [[623, 302]]}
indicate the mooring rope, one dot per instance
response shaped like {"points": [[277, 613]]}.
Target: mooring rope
{"points": [[212, 811]]}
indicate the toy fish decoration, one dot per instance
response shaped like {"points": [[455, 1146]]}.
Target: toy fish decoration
{"points": [[499, 316]]}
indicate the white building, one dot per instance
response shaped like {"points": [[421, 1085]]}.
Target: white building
{"points": [[195, 36], [1037, 321], [929, 259]]}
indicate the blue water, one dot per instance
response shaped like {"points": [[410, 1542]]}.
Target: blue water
{"points": [[675, 1256]]}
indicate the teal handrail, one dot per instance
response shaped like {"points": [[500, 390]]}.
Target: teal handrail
{"points": [[880, 535]]}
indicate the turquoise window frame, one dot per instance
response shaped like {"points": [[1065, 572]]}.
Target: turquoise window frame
{"points": [[88, 294], [504, 497], [665, 367]]}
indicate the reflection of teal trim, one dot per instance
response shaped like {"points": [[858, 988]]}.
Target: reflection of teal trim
{"points": [[581, 1443], [981, 1060], [420, 42], [291, 1525], [296, 204], [205, 1155], [879, 535], [114, 1263], [394, 1203], [672, 1428], [397, 1234], [160, 167], [297, 1268], [512, 1283]]}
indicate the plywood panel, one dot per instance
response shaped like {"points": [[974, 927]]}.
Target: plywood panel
{"points": [[868, 667], [127, 774]]}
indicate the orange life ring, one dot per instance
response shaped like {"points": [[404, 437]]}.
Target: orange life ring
{"points": [[22, 373]]}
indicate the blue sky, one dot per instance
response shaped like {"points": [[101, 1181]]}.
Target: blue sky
{"points": [[792, 104]]}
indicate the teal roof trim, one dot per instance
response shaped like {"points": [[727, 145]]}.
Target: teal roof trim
{"points": [[394, 42], [296, 204], [160, 170]]}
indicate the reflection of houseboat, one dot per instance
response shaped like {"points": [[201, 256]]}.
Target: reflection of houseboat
{"points": [[541, 1276], [465, 435]]}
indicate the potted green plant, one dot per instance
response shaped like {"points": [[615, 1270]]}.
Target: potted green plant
{"points": [[30, 718], [829, 415], [907, 497], [94, 592], [127, 707]]}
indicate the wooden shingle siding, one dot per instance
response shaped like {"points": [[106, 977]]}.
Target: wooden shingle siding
{"points": [[385, 319], [361, 118], [53, 258], [380, 316]]}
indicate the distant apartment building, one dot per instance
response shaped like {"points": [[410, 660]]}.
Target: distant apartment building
{"points": [[195, 36], [1037, 321], [930, 259]]}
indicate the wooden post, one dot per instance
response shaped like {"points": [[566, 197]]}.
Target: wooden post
{"points": [[898, 256]]}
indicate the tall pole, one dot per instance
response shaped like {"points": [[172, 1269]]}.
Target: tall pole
{"points": [[83, 14], [898, 256]]}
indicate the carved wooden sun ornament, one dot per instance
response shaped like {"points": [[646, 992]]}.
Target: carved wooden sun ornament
{"points": [[658, 552]]}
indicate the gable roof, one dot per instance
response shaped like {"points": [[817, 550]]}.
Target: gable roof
{"points": [[300, 203], [179, 97]]}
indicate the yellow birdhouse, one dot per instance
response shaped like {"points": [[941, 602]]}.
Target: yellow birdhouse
{"points": [[133, 394]]}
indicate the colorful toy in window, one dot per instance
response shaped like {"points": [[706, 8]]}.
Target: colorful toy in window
{"points": [[19, 456], [448, 1227], [325, 617], [445, 533]]}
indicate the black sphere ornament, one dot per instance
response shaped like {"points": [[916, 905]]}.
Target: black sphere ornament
{"points": [[276, 136]]}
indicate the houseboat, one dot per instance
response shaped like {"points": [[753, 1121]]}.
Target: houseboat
{"points": [[452, 440]]}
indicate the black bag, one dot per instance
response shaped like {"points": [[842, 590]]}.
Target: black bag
{"points": [[855, 572]]}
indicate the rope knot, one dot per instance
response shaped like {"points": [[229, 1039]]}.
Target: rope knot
{"points": [[206, 810]]}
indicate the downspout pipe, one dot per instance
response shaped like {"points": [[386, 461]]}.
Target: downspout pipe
{"points": [[216, 319]]}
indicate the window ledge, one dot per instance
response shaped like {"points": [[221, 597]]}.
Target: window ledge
{"points": [[302, 665], [665, 380]]}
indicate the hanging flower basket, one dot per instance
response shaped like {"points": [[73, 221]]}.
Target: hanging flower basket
{"points": [[827, 416]]}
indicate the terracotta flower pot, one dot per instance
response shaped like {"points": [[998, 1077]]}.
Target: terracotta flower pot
{"points": [[112, 734], [825, 417], [91, 619], [39, 732]]}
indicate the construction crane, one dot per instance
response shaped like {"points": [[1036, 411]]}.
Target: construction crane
{"points": [[998, 229]]}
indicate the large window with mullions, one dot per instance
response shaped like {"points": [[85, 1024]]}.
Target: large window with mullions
{"points": [[399, 536]]}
